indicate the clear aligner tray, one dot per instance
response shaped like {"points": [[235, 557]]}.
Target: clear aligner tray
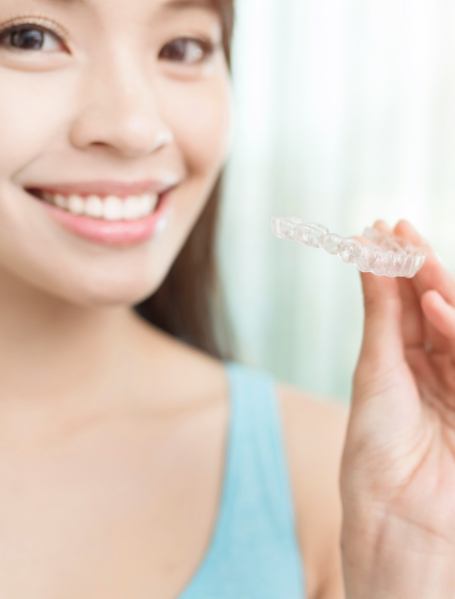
{"points": [[384, 255]]}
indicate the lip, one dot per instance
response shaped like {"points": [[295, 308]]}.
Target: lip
{"points": [[113, 233], [105, 187]]}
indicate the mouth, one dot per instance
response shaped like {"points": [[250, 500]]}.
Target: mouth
{"points": [[80, 206], [110, 221]]}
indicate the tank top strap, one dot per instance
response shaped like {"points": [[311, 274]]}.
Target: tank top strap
{"points": [[253, 553], [257, 463]]}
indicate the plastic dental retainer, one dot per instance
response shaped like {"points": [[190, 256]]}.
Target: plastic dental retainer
{"points": [[382, 254]]}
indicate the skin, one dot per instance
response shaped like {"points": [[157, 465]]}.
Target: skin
{"points": [[99, 440]]}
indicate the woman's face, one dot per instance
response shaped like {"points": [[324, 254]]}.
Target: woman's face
{"points": [[106, 90]]}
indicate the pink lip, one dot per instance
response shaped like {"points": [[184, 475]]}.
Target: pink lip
{"points": [[105, 188], [111, 233]]}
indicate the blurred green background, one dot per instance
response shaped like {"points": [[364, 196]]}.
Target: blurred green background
{"points": [[344, 113]]}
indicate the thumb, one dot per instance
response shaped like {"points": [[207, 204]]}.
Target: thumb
{"points": [[382, 343]]}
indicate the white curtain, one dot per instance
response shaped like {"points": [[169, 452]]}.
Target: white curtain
{"points": [[344, 113]]}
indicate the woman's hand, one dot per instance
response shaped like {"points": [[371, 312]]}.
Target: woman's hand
{"points": [[398, 468]]}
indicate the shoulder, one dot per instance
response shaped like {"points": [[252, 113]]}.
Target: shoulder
{"points": [[314, 431]]}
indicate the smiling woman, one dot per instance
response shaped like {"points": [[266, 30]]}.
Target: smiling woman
{"points": [[187, 315], [119, 402]]}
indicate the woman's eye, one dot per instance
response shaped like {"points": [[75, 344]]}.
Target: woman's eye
{"points": [[188, 50], [26, 36], [32, 37]]}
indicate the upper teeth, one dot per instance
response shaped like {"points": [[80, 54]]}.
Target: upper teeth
{"points": [[110, 208]]}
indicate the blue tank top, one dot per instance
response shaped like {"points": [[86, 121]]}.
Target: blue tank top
{"points": [[253, 553]]}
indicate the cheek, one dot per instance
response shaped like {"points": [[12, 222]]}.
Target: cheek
{"points": [[201, 120], [29, 107]]}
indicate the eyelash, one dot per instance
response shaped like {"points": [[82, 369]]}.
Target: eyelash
{"points": [[207, 46]]}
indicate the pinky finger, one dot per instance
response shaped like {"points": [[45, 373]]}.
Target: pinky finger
{"points": [[440, 314]]}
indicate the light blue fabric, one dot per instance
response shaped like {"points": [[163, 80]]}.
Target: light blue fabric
{"points": [[253, 552]]}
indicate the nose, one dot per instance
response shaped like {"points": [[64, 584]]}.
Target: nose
{"points": [[119, 110]]}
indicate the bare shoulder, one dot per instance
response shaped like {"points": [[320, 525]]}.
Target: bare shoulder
{"points": [[314, 430]]}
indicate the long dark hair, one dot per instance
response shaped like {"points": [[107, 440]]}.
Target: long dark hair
{"points": [[190, 303]]}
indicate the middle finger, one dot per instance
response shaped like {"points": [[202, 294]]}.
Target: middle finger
{"points": [[431, 276]]}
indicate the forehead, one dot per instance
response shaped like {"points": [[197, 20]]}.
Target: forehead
{"points": [[165, 6]]}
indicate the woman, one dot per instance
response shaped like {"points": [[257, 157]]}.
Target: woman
{"points": [[138, 459]]}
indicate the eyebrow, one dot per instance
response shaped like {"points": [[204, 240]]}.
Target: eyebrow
{"points": [[176, 5]]}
